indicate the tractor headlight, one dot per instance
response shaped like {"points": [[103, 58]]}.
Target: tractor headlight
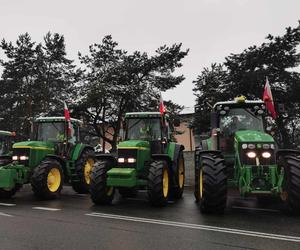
{"points": [[131, 160], [266, 155], [244, 146], [266, 146], [24, 158], [251, 154], [15, 158], [251, 146], [121, 160]]}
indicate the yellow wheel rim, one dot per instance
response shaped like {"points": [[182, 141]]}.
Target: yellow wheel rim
{"points": [[165, 183], [87, 170], [181, 173], [201, 183], [53, 179], [109, 191]]}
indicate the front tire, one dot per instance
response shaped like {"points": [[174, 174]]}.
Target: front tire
{"points": [[212, 184], [83, 168], [47, 179], [158, 183], [101, 194]]}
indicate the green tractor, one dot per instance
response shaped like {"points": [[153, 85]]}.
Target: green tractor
{"points": [[147, 158], [242, 155], [49, 159], [6, 139]]}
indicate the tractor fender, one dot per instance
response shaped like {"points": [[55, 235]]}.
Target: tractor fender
{"points": [[109, 157], [79, 148]]}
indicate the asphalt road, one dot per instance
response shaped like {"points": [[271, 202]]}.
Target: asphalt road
{"points": [[73, 222]]}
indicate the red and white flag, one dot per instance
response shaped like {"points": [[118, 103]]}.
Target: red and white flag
{"points": [[68, 118], [268, 99], [162, 108]]}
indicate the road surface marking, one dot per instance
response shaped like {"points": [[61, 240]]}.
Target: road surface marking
{"points": [[257, 209], [7, 204], [198, 227], [46, 208], [7, 215]]}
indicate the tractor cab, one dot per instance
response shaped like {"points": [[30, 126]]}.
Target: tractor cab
{"points": [[236, 116], [54, 130], [149, 127]]}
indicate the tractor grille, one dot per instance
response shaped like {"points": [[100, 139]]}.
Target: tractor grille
{"points": [[127, 153], [22, 152]]}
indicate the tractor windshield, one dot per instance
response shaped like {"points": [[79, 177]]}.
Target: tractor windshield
{"points": [[143, 129], [240, 119], [50, 131]]}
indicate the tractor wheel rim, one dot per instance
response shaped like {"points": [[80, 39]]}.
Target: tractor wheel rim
{"points": [[87, 170], [181, 173], [201, 183], [165, 183], [53, 179], [109, 191]]}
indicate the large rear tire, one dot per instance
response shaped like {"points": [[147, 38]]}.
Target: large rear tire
{"points": [[212, 184], [178, 187], [291, 187], [158, 183], [47, 179], [83, 168], [101, 194]]}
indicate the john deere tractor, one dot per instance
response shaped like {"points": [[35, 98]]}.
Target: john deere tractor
{"points": [[6, 138], [242, 155], [146, 159], [49, 159]]}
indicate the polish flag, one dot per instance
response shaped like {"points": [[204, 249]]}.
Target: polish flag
{"points": [[268, 99], [68, 118], [162, 108]]}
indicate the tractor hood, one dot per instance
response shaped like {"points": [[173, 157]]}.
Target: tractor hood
{"points": [[35, 145], [134, 144], [253, 136]]}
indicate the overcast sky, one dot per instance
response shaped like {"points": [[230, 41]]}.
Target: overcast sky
{"points": [[211, 29]]}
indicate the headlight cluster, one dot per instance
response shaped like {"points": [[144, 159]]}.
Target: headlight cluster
{"points": [[128, 160], [253, 146], [21, 157], [252, 154]]}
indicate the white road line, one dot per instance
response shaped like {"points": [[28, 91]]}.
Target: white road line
{"points": [[199, 227], [6, 215], [8, 204], [257, 209], [46, 208]]}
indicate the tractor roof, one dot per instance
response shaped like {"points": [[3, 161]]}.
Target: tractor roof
{"points": [[239, 102], [56, 119], [7, 133], [142, 114]]}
